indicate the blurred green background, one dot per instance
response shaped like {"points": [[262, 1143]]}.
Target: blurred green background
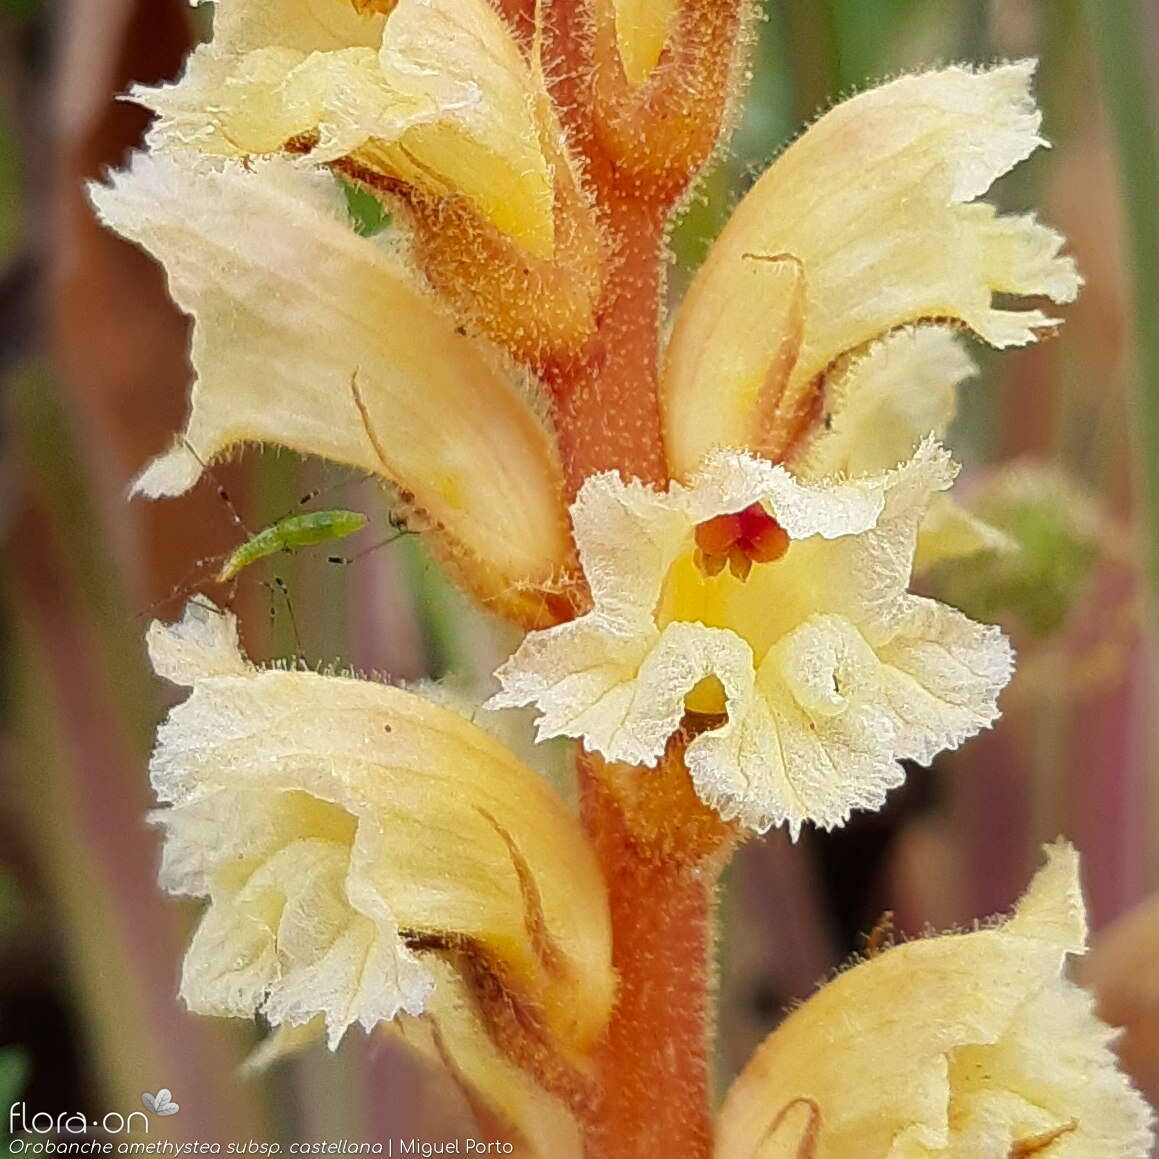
{"points": [[1060, 444]]}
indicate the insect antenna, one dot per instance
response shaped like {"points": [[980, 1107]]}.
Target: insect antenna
{"points": [[364, 415], [399, 526], [188, 583]]}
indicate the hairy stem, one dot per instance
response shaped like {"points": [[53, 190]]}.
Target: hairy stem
{"points": [[654, 1061], [642, 149], [656, 842], [652, 1066], [606, 407]]}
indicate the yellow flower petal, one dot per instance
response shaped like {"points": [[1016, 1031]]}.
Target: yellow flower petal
{"points": [[642, 27], [865, 224], [290, 308], [437, 95], [827, 671], [734, 345], [255, 104], [307, 25], [487, 148], [340, 827], [959, 1046]]}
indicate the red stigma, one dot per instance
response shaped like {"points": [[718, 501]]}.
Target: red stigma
{"points": [[740, 540]]}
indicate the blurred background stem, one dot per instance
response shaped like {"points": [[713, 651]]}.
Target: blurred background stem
{"points": [[1122, 38]]}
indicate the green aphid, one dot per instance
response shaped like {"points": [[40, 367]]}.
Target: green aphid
{"points": [[290, 533]]}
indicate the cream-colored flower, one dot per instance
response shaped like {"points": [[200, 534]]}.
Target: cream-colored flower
{"points": [[437, 94], [964, 1046], [344, 829], [865, 224], [310, 336], [778, 606]]}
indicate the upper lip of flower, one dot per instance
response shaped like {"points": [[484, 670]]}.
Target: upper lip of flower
{"points": [[813, 265]]}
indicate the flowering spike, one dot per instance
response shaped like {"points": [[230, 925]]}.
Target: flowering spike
{"points": [[749, 499]]}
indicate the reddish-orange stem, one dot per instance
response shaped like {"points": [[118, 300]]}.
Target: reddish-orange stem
{"points": [[656, 843], [607, 410], [642, 148], [652, 1066], [653, 1063]]}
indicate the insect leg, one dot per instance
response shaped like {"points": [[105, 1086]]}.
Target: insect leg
{"points": [[278, 585], [326, 488], [346, 560], [222, 493], [231, 594]]}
